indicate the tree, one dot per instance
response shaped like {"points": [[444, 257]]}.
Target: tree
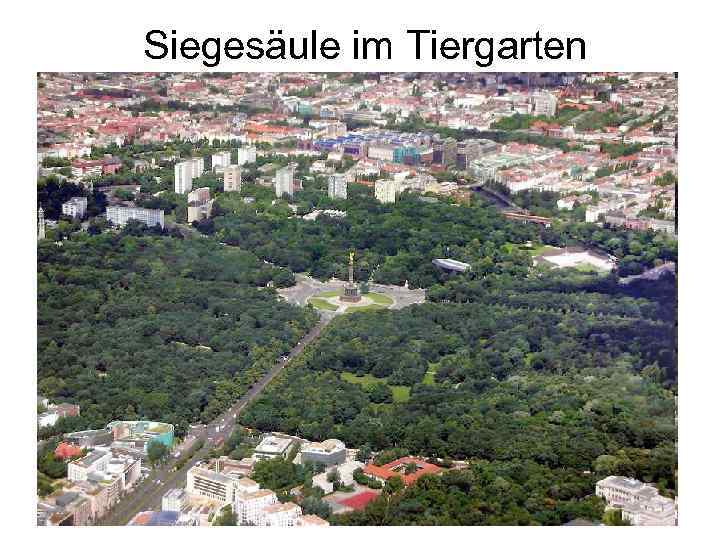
{"points": [[613, 517], [380, 393], [156, 452], [394, 484], [364, 453], [316, 506], [226, 517]]}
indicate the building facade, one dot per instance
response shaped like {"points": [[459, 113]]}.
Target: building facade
{"points": [[120, 215], [206, 483], [284, 182], [385, 191], [641, 503], [329, 452], [232, 178], [337, 186], [76, 207], [183, 176]]}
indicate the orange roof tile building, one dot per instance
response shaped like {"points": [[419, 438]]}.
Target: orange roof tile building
{"points": [[66, 451], [399, 467]]}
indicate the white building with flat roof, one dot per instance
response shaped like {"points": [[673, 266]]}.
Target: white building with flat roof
{"points": [[641, 503], [385, 191], [174, 500], [249, 505], [120, 215], [232, 178], [75, 207], [271, 447], [329, 452], [337, 186], [544, 103], [280, 515], [246, 154], [220, 160], [95, 461], [210, 484], [284, 182], [183, 176], [198, 166]]}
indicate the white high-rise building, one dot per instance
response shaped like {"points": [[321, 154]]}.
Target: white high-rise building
{"points": [[284, 181], [198, 166], [75, 207], [246, 154], [41, 224], [184, 176], [232, 178], [544, 103], [250, 500], [337, 186], [385, 191], [220, 160], [199, 204]]}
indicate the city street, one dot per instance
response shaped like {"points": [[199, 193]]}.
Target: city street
{"points": [[147, 495]]}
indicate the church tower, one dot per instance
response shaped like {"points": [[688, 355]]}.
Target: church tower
{"points": [[41, 224]]}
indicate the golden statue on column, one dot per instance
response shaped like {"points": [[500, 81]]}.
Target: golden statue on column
{"points": [[351, 293]]}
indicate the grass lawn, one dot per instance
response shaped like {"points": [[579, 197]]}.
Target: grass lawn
{"points": [[319, 303], [400, 393], [429, 377], [378, 298], [329, 294], [588, 268], [364, 380], [370, 307], [538, 250]]}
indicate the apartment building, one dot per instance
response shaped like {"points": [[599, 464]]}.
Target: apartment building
{"points": [[246, 154], [206, 483], [96, 461], [385, 191], [544, 103], [284, 182], [232, 178], [250, 501], [198, 166], [199, 204], [280, 515], [337, 186], [174, 500], [120, 215], [183, 176], [65, 509], [75, 207], [220, 160]]}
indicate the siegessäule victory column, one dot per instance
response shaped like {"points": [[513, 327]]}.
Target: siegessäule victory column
{"points": [[351, 293]]}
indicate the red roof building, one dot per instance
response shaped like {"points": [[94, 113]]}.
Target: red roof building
{"points": [[66, 451], [398, 468]]}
